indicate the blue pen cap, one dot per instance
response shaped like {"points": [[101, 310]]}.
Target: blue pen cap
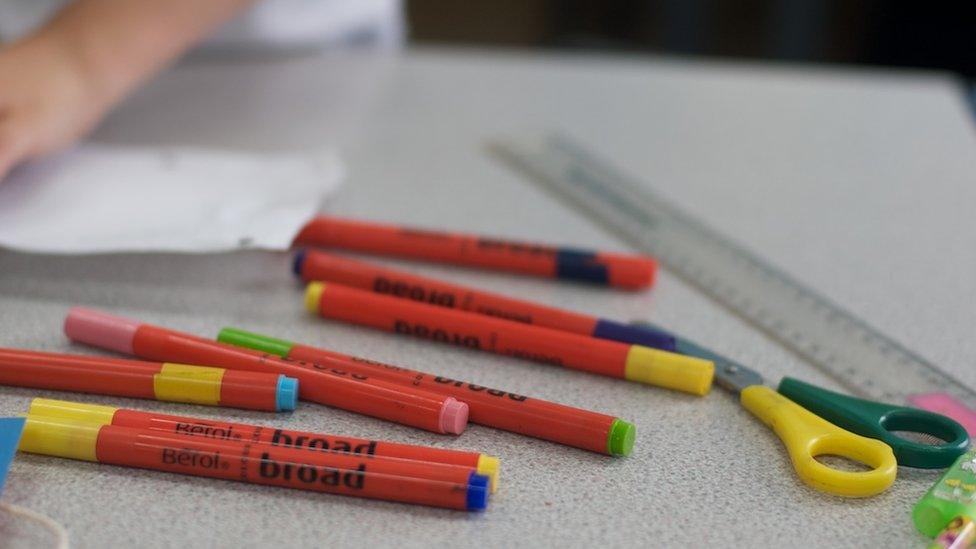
{"points": [[477, 492], [286, 396], [298, 262], [580, 265], [635, 335]]}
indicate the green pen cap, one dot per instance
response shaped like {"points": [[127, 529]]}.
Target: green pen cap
{"points": [[952, 496], [620, 439], [258, 342]]}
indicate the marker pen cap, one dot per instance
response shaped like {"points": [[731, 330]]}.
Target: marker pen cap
{"points": [[454, 416], [101, 330], [477, 492], [620, 439], [258, 342], [286, 394], [298, 263], [77, 412], [60, 437], [636, 335], [671, 370], [313, 296], [489, 466]]}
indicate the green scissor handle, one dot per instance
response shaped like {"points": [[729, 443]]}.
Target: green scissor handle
{"points": [[878, 420]]}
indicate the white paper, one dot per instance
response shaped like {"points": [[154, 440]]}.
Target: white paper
{"points": [[99, 198]]}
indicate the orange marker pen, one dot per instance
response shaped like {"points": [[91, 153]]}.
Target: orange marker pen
{"points": [[327, 385], [500, 409], [286, 438], [610, 269], [332, 472], [494, 335], [151, 380], [314, 266]]}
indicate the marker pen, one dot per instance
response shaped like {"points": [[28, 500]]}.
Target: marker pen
{"points": [[150, 380], [313, 266], [327, 385], [609, 358], [630, 272], [499, 409], [210, 428], [332, 472]]}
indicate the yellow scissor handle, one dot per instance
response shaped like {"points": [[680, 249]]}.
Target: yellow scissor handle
{"points": [[806, 436]]}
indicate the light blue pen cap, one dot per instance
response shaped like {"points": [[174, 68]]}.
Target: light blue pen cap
{"points": [[286, 396], [10, 430]]}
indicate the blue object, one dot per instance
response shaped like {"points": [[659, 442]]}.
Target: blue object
{"points": [[10, 430], [286, 396], [648, 337], [477, 492], [296, 264], [580, 265]]}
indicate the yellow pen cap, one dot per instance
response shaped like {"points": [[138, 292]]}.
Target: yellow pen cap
{"points": [[670, 370], [313, 296], [489, 466], [186, 383], [60, 437], [74, 411]]}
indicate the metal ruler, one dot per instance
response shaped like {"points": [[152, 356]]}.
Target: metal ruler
{"points": [[858, 356]]}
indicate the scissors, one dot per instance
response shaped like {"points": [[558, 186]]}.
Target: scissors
{"points": [[812, 421]]}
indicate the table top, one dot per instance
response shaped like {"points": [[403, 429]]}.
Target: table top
{"points": [[857, 183]]}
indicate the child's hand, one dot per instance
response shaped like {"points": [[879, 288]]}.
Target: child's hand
{"points": [[46, 100], [58, 83]]}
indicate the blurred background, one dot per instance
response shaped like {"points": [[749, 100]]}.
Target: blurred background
{"points": [[937, 35]]}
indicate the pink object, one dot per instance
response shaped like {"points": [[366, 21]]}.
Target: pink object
{"points": [[99, 329], [454, 416], [946, 405]]}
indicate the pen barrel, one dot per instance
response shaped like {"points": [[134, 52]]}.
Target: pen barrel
{"points": [[318, 266], [189, 426], [312, 265], [139, 379], [491, 407], [328, 386], [94, 414], [498, 336], [252, 390], [473, 331], [332, 472], [135, 379], [336, 473], [613, 269], [428, 245]]}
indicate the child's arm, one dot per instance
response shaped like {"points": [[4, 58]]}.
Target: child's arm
{"points": [[56, 84]]}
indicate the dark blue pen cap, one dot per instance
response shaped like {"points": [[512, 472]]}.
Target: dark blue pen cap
{"points": [[477, 492], [635, 335], [298, 262]]}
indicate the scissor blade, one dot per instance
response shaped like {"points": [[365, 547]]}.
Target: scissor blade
{"points": [[729, 374]]}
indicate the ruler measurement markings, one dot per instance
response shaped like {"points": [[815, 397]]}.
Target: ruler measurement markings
{"points": [[803, 320]]}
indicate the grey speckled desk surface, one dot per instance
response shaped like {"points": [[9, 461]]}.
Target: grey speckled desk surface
{"points": [[860, 184]]}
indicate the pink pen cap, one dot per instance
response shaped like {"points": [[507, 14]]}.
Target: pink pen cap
{"points": [[102, 330]]}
